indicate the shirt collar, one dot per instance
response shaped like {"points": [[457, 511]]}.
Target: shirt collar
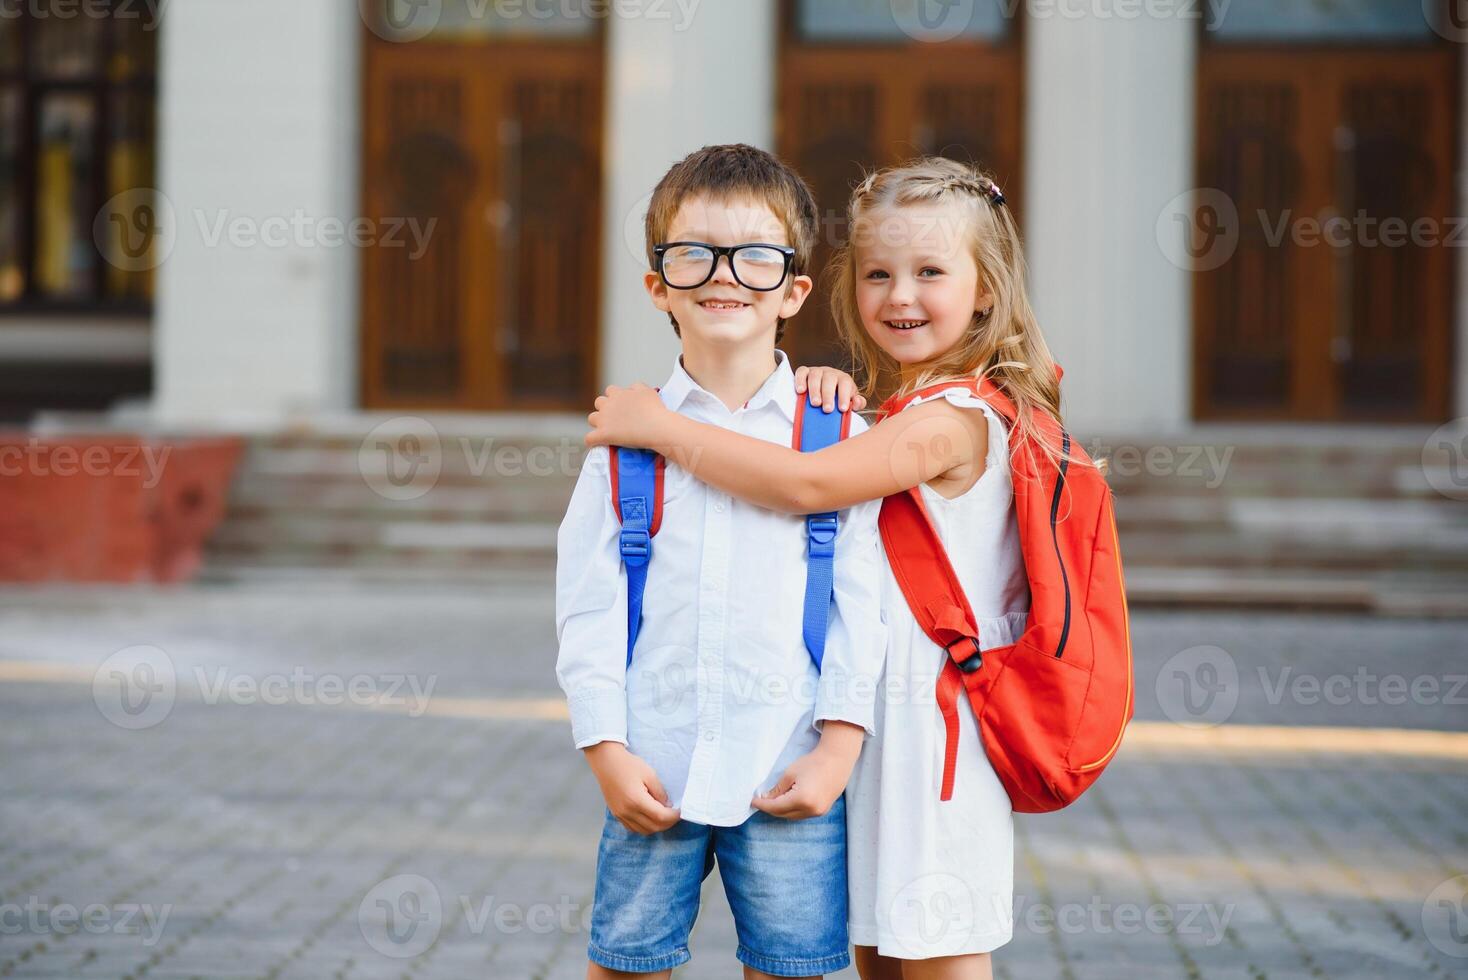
{"points": [[779, 388]]}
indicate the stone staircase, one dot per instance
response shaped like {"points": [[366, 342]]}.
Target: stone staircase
{"points": [[1347, 519], [343, 499], [1370, 519]]}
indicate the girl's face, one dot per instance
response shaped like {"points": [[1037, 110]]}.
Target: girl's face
{"points": [[916, 280]]}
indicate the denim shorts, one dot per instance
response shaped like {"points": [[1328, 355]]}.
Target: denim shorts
{"points": [[785, 880]]}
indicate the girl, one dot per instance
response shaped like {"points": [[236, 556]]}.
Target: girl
{"points": [[929, 288]]}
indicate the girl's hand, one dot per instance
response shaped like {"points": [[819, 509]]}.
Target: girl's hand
{"points": [[627, 417], [829, 388]]}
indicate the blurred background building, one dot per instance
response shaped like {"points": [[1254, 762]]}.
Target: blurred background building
{"points": [[290, 215]]}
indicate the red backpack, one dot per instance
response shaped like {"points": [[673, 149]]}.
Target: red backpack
{"points": [[1052, 706]]}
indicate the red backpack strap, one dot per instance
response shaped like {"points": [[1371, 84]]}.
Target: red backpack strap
{"points": [[934, 594], [983, 388], [921, 567]]}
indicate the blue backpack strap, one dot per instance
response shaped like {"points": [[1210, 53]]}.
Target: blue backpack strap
{"points": [[814, 430], [637, 495]]}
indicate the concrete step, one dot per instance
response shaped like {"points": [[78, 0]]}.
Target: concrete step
{"points": [[1431, 533], [308, 532], [432, 567], [254, 495], [1388, 592], [1218, 518]]}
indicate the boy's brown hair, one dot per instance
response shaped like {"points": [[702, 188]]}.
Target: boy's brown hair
{"points": [[737, 171]]}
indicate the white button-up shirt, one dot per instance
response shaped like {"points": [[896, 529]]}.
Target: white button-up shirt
{"points": [[721, 694]]}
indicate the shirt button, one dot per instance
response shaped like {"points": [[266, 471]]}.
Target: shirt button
{"points": [[708, 736], [719, 507]]}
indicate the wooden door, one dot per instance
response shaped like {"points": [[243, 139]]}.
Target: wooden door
{"points": [[1324, 312], [846, 108], [493, 148]]}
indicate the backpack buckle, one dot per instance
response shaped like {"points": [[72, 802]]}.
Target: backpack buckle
{"points": [[973, 661], [636, 546], [821, 535]]}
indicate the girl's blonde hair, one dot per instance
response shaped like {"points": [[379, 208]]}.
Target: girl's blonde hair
{"points": [[1006, 345]]}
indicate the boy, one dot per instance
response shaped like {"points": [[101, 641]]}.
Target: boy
{"points": [[721, 700]]}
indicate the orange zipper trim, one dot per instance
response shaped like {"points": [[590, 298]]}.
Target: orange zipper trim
{"points": [[1126, 628]]}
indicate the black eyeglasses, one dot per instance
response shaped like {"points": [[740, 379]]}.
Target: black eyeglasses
{"points": [[756, 265]]}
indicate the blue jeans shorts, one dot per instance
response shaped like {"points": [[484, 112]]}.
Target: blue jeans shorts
{"points": [[785, 880]]}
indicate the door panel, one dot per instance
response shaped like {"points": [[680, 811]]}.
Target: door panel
{"points": [[1393, 324], [1318, 314], [549, 255], [493, 148]]}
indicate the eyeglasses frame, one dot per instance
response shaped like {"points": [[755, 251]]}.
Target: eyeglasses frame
{"points": [[725, 251]]}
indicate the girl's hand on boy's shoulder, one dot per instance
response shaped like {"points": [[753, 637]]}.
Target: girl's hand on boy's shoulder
{"points": [[627, 417], [829, 388]]}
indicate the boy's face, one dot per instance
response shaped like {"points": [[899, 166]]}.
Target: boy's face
{"points": [[722, 311]]}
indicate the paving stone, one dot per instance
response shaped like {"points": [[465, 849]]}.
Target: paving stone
{"points": [[274, 840]]}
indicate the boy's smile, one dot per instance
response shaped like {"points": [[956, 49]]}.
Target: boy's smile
{"points": [[723, 305]]}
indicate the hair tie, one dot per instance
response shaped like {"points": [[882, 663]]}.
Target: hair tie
{"points": [[980, 185]]}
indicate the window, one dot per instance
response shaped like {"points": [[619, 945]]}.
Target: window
{"points": [[898, 21], [471, 20], [1319, 21], [77, 106]]}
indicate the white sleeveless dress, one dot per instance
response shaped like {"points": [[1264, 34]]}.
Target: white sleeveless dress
{"points": [[927, 877]]}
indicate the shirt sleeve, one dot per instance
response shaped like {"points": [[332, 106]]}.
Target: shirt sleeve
{"points": [[856, 637], [591, 608]]}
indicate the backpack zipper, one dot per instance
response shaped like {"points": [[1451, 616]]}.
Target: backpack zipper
{"points": [[1055, 537]]}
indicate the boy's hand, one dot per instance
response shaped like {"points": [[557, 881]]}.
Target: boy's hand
{"points": [[631, 788], [812, 783], [628, 417], [829, 387]]}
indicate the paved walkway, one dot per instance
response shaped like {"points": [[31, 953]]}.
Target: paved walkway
{"points": [[362, 782]]}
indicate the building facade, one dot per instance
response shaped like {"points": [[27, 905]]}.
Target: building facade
{"points": [[1234, 212]]}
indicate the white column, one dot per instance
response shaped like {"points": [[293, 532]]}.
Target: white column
{"points": [[697, 74], [1109, 141], [256, 313]]}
